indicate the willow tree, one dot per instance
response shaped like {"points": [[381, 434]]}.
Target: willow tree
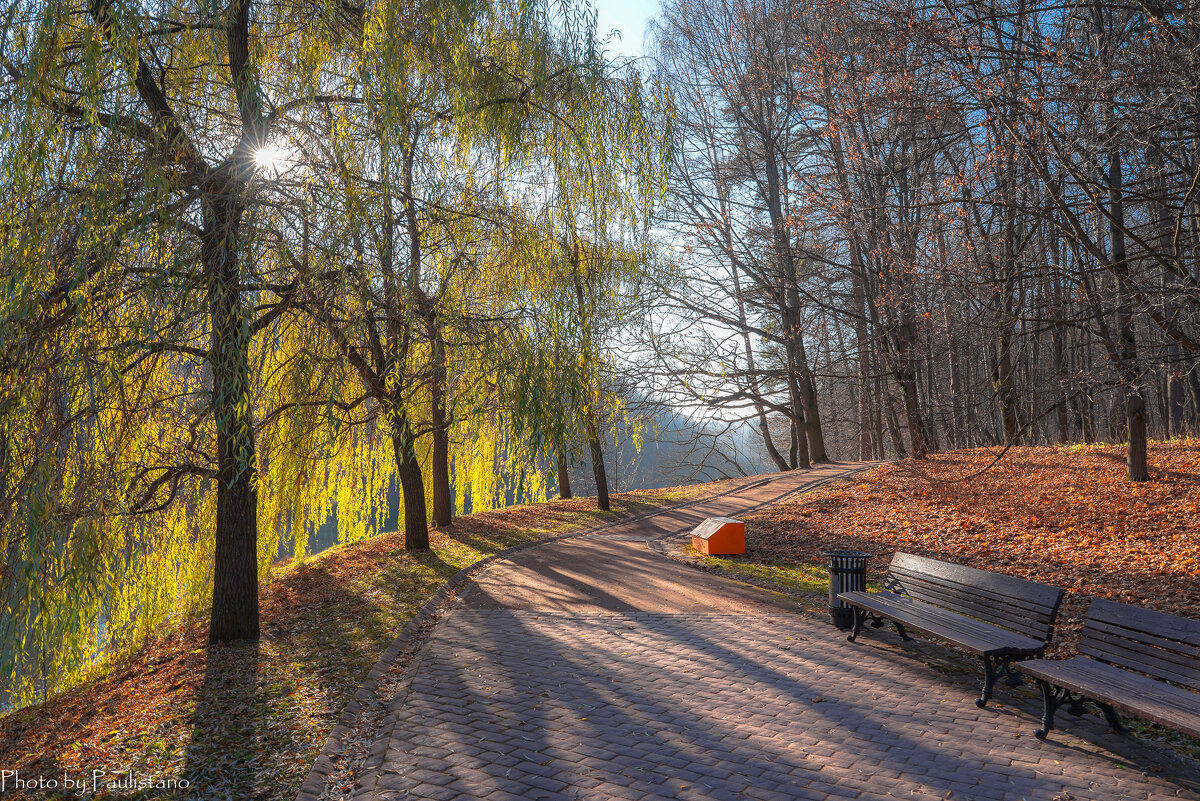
{"points": [[415, 167], [601, 158], [164, 114], [426, 212]]}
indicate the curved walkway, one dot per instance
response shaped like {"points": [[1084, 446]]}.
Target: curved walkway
{"points": [[596, 669]]}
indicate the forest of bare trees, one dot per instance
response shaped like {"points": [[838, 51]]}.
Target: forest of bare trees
{"points": [[910, 226]]}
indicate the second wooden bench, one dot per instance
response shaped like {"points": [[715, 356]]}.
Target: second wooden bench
{"points": [[1138, 660], [1001, 619]]}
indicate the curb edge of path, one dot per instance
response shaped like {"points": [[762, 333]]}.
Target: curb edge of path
{"points": [[406, 644], [366, 702]]}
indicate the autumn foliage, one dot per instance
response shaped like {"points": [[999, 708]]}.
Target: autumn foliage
{"points": [[1063, 515]]}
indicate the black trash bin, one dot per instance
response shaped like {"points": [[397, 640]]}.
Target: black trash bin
{"points": [[847, 573]]}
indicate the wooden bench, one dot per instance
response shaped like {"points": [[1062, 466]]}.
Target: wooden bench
{"points": [[999, 618], [1121, 643]]}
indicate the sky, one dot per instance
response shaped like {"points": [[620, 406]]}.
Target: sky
{"points": [[627, 16]]}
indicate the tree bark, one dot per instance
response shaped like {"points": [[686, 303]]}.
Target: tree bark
{"points": [[412, 484], [858, 296], [564, 475], [1135, 402], [1002, 381], [443, 500], [764, 430], [235, 559], [597, 450]]}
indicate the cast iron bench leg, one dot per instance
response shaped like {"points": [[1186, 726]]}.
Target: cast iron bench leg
{"points": [[1114, 721], [1051, 700], [989, 681], [994, 668], [859, 616]]}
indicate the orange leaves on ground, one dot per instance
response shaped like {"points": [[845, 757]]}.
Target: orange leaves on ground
{"points": [[1064, 515]]}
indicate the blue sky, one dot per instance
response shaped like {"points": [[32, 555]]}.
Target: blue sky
{"points": [[627, 16]]}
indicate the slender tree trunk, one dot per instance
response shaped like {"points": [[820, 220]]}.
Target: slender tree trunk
{"points": [[763, 429], [858, 299], [443, 500], [881, 399], [954, 365], [1002, 381], [593, 434], [894, 428], [412, 484], [1192, 376], [912, 416], [592, 426], [1135, 402], [235, 562], [1060, 384], [906, 378], [808, 398], [800, 452], [564, 475]]}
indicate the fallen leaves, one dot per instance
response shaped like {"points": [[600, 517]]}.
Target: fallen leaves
{"points": [[1064, 516]]}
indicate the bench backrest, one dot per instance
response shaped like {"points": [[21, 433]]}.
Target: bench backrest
{"points": [[1024, 606], [1160, 645]]}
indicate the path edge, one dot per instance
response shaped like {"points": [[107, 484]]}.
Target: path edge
{"points": [[316, 783]]}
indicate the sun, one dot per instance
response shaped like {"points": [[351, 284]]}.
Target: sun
{"points": [[270, 158]]}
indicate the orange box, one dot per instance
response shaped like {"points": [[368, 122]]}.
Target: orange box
{"points": [[720, 535]]}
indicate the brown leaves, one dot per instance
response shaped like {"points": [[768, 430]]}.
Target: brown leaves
{"points": [[1064, 516]]}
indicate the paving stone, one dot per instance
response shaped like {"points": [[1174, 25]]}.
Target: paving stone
{"points": [[626, 703]]}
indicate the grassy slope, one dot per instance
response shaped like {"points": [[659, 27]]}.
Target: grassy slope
{"points": [[249, 719]]}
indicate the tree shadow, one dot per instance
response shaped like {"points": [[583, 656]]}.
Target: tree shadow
{"points": [[221, 757], [649, 711]]}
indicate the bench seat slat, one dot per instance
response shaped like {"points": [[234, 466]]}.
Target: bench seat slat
{"points": [[972, 635], [1123, 689]]}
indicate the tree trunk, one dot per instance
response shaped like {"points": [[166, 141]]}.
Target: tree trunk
{"points": [[412, 485], [894, 428], [1135, 403], [564, 475], [912, 415], [858, 296], [800, 452], [812, 416], [1060, 384], [235, 559], [906, 378], [443, 500], [1002, 381], [764, 430], [597, 450]]}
